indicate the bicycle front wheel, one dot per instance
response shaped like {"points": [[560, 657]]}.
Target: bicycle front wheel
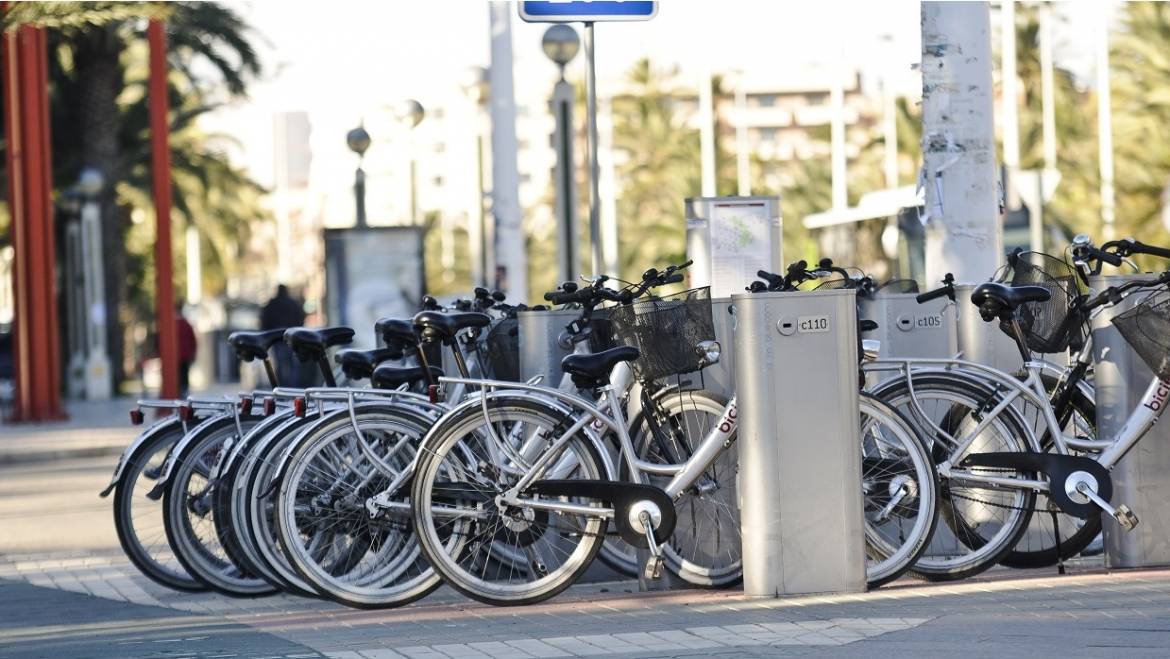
{"points": [[496, 553], [900, 486]]}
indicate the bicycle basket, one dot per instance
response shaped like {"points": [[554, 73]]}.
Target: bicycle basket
{"points": [[1057, 323], [503, 350], [666, 330], [1146, 328], [898, 286]]}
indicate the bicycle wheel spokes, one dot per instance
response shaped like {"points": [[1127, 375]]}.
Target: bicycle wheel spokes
{"points": [[504, 554]]}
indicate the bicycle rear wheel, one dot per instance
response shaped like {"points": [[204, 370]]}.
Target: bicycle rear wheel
{"points": [[983, 522], [334, 471], [490, 552], [138, 519], [189, 506]]}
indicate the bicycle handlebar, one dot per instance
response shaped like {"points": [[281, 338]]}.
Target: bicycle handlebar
{"points": [[947, 289]]}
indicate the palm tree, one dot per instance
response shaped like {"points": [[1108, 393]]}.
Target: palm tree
{"points": [[658, 166], [96, 125]]}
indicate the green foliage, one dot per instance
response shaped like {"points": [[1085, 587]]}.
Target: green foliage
{"points": [[658, 167], [76, 16]]}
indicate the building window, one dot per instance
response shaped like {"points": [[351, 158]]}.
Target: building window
{"points": [[816, 98], [766, 134], [437, 181], [765, 100]]}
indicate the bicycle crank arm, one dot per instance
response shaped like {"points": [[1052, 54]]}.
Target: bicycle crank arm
{"points": [[1081, 486]]}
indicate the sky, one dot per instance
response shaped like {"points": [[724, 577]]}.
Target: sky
{"points": [[344, 59]]}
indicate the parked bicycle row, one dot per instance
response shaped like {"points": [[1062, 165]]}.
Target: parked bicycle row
{"points": [[373, 495]]}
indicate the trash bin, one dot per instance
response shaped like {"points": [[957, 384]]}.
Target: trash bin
{"points": [[800, 465], [1142, 479]]}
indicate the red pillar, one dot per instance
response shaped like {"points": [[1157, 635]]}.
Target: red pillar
{"points": [[160, 164], [26, 127]]}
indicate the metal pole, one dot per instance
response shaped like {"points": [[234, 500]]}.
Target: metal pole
{"points": [[481, 220], [837, 141], [1105, 124], [511, 257], [97, 365], [359, 196], [889, 120], [26, 126], [707, 135], [963, 234], [1047, 87], [1011, 121], [742, 149], [565, 184], [609, 227], [413, 188], [591, 147], [168, 339]]}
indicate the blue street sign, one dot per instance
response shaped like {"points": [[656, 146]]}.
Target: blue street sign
{"points": [[587, 11]]}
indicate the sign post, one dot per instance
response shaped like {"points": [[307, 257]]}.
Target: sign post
{"points": [[589, 12]]}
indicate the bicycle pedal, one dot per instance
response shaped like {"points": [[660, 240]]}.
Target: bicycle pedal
{"points": [[653, 568], [1125, 517]]}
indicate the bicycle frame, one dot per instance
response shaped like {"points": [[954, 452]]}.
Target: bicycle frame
{"points": [[606, 414], [1031, 390]]}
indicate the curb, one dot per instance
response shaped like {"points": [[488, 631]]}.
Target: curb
{"points": [[10, 458]]}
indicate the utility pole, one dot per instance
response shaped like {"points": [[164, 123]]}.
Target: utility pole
{"points": [[511, 259], [963, 233]]}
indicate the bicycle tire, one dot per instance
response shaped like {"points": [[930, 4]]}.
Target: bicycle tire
{"points": [[154, 559]]}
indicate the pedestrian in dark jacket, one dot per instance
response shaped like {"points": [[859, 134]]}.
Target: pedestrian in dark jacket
{"points": [[282, 312]]}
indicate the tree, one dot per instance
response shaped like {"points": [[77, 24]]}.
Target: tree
{"points": [[658, 166], [98, 101]]}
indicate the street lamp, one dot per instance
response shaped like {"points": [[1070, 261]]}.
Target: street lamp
{"points": [[97, 364], [358, 141], [411, 113], [474, 83], [560, 44]]}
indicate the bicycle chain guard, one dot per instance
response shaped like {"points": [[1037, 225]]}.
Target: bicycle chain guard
{"points": [[1058, 468], [619, 495]]}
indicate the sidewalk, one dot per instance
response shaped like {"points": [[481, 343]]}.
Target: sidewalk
{"points": [[93, 429]]}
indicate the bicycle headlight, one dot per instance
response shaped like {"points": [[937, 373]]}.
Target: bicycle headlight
{"points": [[710, 351]]}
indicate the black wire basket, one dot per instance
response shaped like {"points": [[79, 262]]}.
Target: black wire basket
{"points": [[667, 331], [503, 350], [1056, 324], [600, 331], [1146, 328]]}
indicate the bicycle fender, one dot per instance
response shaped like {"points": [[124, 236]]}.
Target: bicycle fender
{"points": [[130, 452], [180, 448]]}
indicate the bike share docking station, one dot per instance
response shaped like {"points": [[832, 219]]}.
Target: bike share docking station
{"points": [[908, 329], [1142, 478], [800, 458]]}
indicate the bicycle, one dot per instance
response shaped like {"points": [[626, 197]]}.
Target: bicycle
{"points": [[989, 454], [541, 480]]}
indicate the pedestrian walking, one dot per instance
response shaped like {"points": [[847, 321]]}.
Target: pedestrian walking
{"points": [[188, 348], [281, 312]]}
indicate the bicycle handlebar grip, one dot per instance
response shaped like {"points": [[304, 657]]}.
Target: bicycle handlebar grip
{"points": [[673, 279], [687, 264], [1142, 248], [1109, 257], [768, 277], [941, 291]]}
